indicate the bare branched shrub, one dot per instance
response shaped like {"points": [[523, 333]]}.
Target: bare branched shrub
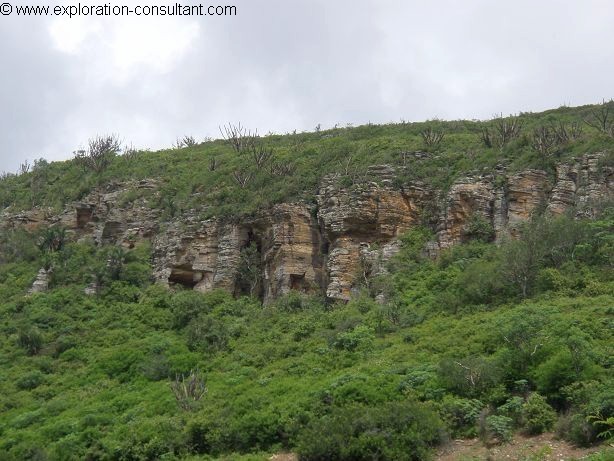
{"points": [[99, 154], [543, 140], [297, 144], [239, 138], [5, 175], [260, 154], [186, 141], [602, 118], [189, 390], [282, 169], [24, 168], [242, 177], [546, 139], [507, 128], [565, 133], [346, 167], [432, 138]]}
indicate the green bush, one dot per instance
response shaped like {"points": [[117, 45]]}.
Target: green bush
{"points": [[393, 431], [30, 380], [461, 415], [359, 338], [30, 339], [575, 428], [479, 228], [512, 408], [537, 415], [186, 305], [498, 428], [207, 334]]}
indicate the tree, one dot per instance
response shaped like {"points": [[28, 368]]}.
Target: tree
{"points": [[51, 239], [116, 258], [250, 269]]}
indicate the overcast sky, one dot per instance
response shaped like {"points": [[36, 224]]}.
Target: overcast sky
{"points": [[281, 65]]}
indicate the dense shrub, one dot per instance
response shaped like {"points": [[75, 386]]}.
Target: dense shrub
{"points": [[30, 339], [30, 380], [537, 415], [393, 431], [495, 429], [461, 415], [207, 334], [187, 305], [359, 338], [333, 380]]}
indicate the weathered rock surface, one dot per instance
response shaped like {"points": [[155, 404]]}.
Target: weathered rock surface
{"points": [[41, 283], [330, 248], [580, 184], [467, 198], [291, 248], [202, 255], [354, 218]]}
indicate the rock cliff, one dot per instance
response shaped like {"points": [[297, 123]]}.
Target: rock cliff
{"points": [[331, 245]]}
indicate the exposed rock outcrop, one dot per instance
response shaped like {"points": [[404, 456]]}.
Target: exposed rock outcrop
{"points": [[354, 218], [107, 215], [291, 248], [203, 255], [41, 283], [331, 247]]}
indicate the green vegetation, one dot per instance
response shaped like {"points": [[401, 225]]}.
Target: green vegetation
{"points": [[221, 178], [138, 372], [483, 341]]}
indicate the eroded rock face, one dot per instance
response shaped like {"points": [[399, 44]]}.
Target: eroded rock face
{"points": [[355, 218], [467, 198], [580, 184], [331, 248], [291, 249], [200, 255], [105, 216]]}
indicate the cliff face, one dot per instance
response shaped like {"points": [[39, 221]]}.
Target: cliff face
{"points": [[329, 247]]}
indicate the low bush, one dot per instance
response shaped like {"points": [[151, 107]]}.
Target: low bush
{"points": [[394, 431], [537, 415], [30, 339]]}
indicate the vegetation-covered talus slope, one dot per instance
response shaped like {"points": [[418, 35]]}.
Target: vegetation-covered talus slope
{"points": [[479, 339]]}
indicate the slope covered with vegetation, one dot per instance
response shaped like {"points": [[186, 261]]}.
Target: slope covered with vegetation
{"points": [[485, 340], [220, 180], [456, 352]]}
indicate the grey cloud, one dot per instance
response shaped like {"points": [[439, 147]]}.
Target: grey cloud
{"points": [[284, 65]]}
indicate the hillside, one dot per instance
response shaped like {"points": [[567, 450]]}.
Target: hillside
{"points": [[357, 293]]}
